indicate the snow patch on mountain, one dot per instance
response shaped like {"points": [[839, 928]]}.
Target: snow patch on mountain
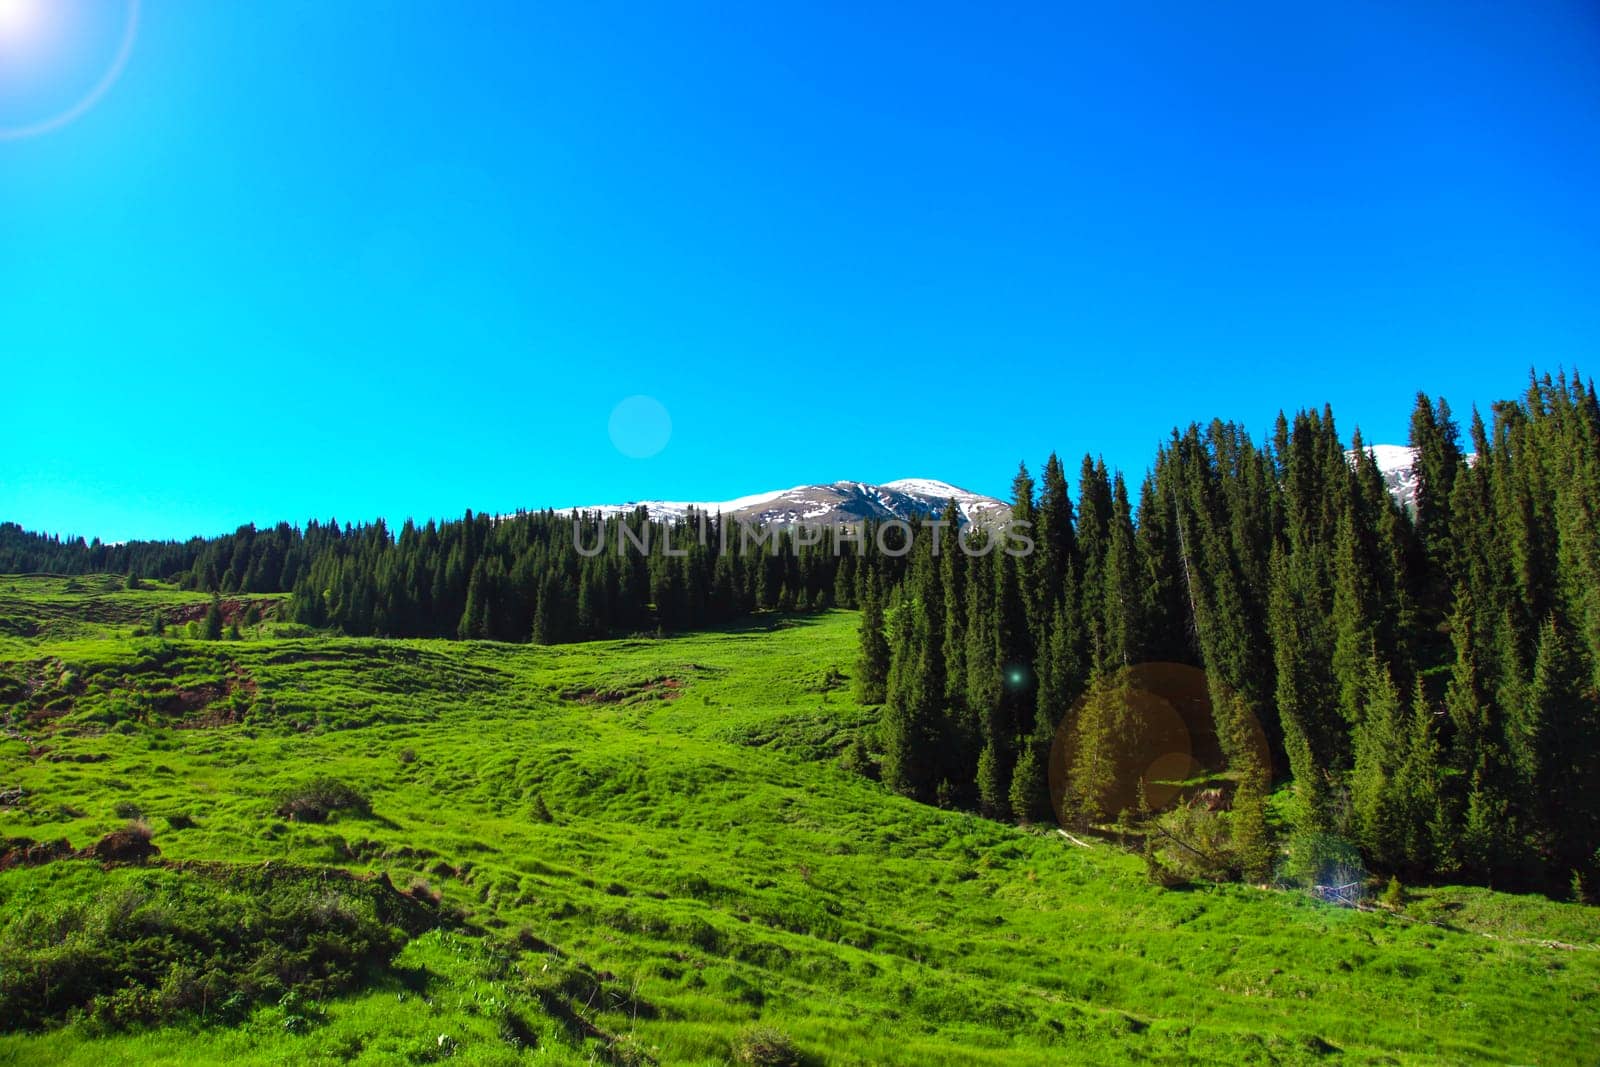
{"points": [[1398, 465], [834, 502]]}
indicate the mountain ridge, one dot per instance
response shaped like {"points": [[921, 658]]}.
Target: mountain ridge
{"points": [[904, 498], [825, 503]]}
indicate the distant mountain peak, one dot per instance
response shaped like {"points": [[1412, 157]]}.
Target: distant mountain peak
{"points": [[1398, 465], [832, 502]]}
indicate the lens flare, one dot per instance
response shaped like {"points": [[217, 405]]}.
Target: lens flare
{"points": [[1153, 731], [15, 16], [640, 427], [34, 36], [19, 18]]}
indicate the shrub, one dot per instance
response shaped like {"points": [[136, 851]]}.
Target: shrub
{"points": [[1322, 859], [1190, 843], [764, 1046], [317, 799], [144, 946], [858, 760], [127, 809]]}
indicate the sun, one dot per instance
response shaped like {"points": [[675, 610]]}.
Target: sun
{"points": [[36, 36], [19, 18]]}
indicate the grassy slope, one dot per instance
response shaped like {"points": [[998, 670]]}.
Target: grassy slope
{"points": [[707, 865]]}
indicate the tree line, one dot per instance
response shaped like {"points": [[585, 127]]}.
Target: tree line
{"points": [[1423, 677], [541, 576]]}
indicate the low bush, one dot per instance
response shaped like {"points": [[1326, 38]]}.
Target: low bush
{"points": [[763, 1046], [317, 799], [145, 946]]}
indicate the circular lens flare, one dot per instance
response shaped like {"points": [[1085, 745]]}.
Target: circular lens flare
{"points": [[640, 427], [38, 37]]}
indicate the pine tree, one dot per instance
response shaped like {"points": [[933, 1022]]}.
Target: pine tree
{"points": [[911, 717], [211, 629], [1029, 795], [1376, 795], [993, 796], [475, 614], [1094, 769], [1434, 436], [1555, 750], [1354, 615], [1056, 554], [1251, 839], [1094, 531], [872, 666], [983, 689], [1424, 819], [1302, 695], [1125, 610]]}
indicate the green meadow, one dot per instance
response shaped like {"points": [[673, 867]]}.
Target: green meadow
{"points": [[650, 850]]}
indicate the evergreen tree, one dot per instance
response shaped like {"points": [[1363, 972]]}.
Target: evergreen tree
{"points": [[1029, 795], [872, 667], [1303, 695], [1251, 839], [1434, 436], [211, 629], [1125, 610], [1380, 747], [993, 796], [1556, 739], [911, 717], [1426, 822]]}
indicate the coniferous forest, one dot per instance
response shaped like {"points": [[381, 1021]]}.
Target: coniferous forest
{"points": [[1423, 677], [1427, 679]]}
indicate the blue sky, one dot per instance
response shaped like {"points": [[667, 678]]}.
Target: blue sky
{"points": [[313, 259]]}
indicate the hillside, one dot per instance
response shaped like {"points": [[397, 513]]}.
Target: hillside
{"points": [[641, 850]]}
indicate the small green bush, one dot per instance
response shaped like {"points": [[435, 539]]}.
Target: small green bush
{"points": [[317, 799]]}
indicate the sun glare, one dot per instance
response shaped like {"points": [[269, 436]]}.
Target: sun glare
{"points": [[19, 18], [39, 59]]}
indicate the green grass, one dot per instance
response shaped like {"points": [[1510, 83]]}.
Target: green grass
{"points": [[645, 849]]}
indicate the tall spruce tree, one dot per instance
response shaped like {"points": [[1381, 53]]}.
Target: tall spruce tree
{"points": [[872, 666]]}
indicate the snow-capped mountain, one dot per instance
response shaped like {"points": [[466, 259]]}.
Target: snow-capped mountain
{"points": [[1398, 463], [831, 503]]}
